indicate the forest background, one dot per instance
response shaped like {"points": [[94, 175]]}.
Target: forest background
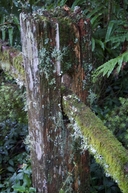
{"points": [[108, 92]]}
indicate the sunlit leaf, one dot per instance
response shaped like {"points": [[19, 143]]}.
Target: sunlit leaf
{"points": [[108, 67]]}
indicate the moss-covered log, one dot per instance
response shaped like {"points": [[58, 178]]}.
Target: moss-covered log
{"points": [[100, 141], [11, 61]]}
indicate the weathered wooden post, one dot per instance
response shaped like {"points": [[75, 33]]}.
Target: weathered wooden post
{"points": [[55, 47]]}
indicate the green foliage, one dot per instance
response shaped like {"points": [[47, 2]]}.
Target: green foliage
{"points": [[117, 121], [14, 109], [109, 34], [99, 182], [11, 140], [20, 181], [108, 67], [15, 170], [9, 23]]}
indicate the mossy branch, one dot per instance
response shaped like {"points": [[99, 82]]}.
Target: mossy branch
{"points": [[11, 61], [100, 141]]}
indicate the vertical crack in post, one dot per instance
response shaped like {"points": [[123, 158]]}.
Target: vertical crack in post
{"points": [[57, 39]]}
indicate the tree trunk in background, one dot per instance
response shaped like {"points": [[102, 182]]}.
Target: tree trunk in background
{"points": [[55, 48]]}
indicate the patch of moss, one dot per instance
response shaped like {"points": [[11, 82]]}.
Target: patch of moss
{"points": [[11, 61]]}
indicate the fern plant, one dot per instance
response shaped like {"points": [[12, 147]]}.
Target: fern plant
{"points": [[108, 67], [109, 34]]}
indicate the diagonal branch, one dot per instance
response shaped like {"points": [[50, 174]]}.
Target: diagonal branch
{"points": [[100, 141]]}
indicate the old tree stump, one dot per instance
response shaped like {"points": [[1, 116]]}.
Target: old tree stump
{"points": [[56, 54], [54, 66]]}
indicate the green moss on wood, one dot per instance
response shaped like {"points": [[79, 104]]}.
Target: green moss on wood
{"points": [[11, 61], [100, 141]]}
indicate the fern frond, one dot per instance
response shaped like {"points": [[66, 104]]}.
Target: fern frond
{"points": [[109, 30], [96, 41], [113, 27], [107, 68], [95, 11], [119, 38], [96, 18]]}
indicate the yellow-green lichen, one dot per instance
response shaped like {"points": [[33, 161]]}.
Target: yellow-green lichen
{"points": [[100, 141]]}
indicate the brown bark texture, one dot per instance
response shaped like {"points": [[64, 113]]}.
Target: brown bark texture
{"points": [[54, 47]]}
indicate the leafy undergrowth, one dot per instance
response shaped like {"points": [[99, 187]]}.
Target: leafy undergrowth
{"points": [[15, 169], [117, 121], [100, 183]]}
